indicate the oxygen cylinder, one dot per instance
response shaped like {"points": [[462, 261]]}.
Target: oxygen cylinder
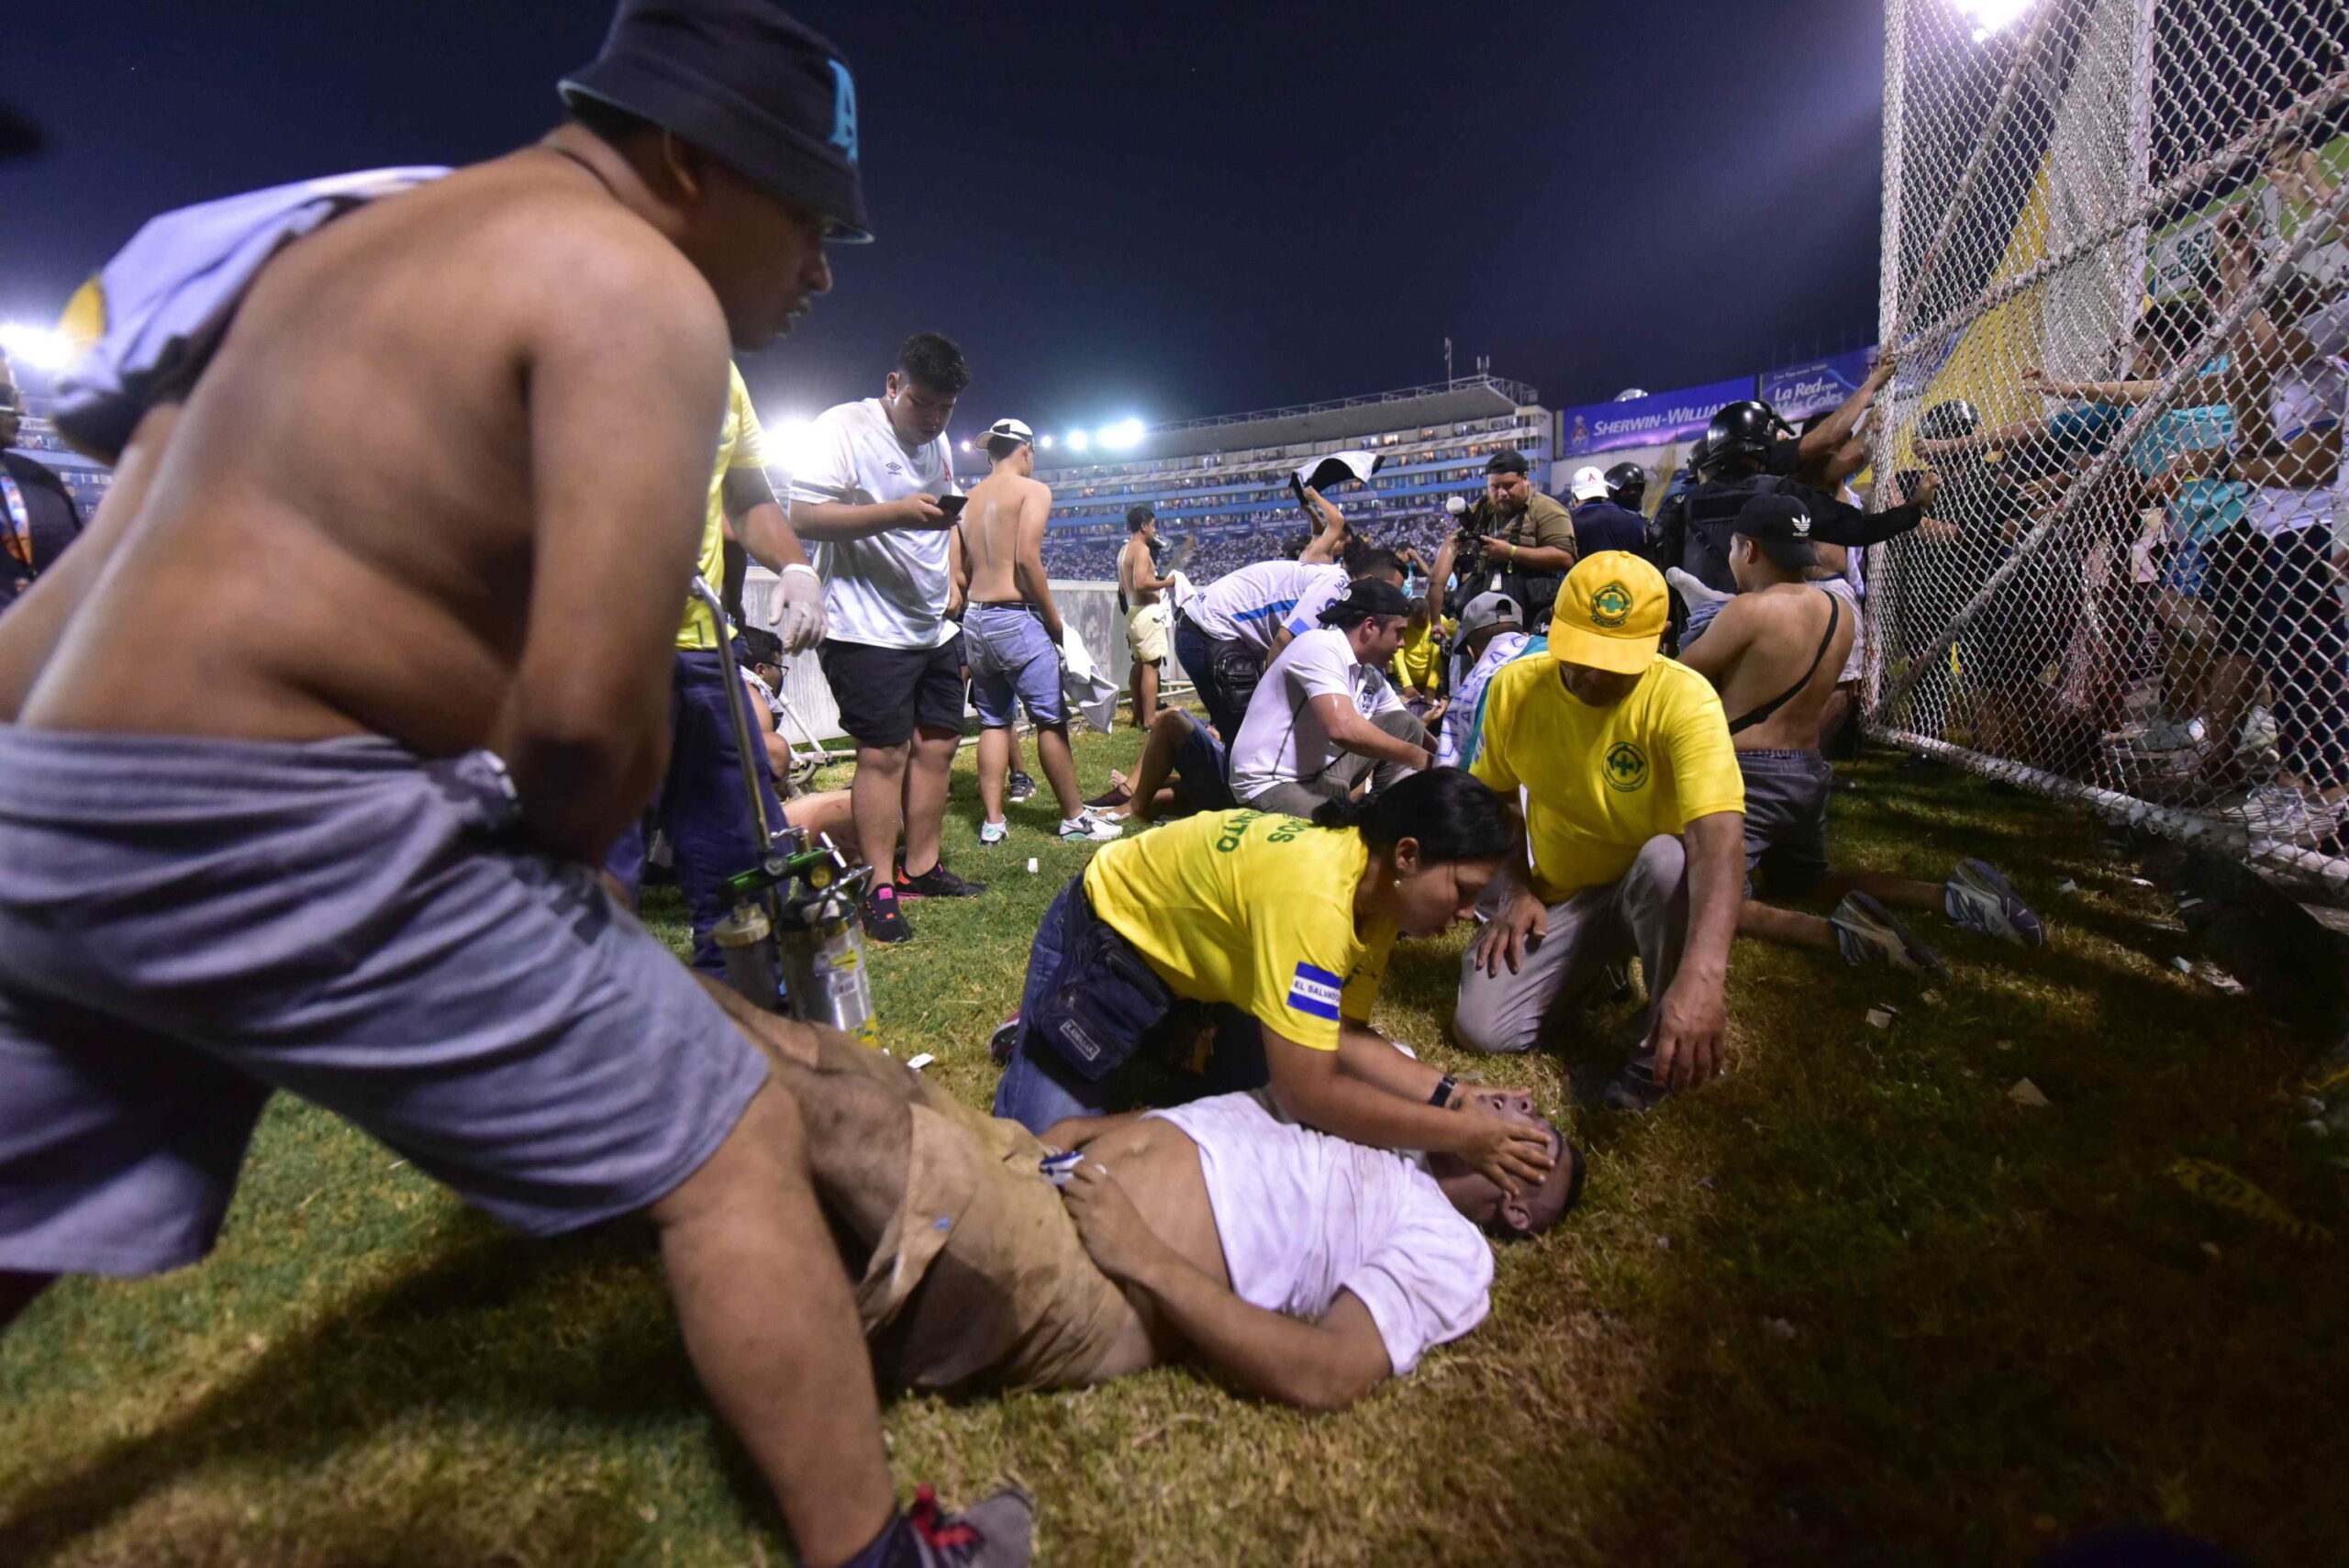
{"points": [[823, 963], [744, 941]]}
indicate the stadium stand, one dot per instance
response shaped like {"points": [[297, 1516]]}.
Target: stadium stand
{"points": [[85, 479], [1223, 482]]}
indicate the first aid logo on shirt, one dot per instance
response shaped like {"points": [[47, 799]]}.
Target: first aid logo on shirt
{"points": [[1627, 766], [1315, 990]]}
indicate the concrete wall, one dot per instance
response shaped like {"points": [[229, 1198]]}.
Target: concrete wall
{"points": [[1091, 608]]}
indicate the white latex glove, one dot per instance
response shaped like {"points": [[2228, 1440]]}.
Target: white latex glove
{"points": [[801, 625]]}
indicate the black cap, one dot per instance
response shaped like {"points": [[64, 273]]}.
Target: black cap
{"points": [[1369, 596], [1774, 516], [1508, 460], [745, 82]]}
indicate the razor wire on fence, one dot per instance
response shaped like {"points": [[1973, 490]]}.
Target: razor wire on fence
{"points": [[2116, 280]]}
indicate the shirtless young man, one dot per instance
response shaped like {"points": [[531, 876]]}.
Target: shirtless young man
{"points": [[1149, 629], [472, 417], [1775, 652], [1011, 633], [1290, 1264]]}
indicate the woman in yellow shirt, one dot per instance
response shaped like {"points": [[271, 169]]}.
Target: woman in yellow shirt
{"points": [[1277, 931]]}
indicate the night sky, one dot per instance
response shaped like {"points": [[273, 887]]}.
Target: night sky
{"points": [[1162, 212]]}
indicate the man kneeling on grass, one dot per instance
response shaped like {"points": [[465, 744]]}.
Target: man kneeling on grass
{"points": [[1775, 652], [1291, 1265]]}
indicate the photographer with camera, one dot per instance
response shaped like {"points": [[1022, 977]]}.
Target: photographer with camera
{"points": [[1516, 540]]}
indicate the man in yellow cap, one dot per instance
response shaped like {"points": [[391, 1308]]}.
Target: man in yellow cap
{"points": [[1635, 812]]}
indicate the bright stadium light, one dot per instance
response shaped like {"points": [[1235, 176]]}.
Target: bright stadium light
{"points": [[1991, 17], [1078, 441], [966, 444], [1119, 436], [1044, 444], [786, 441], [38, 347]]}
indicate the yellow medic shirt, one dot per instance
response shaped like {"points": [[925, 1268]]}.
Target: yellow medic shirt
{"points": [[1251, 908], [740, 444], [1602, 782], [1419, 661]]}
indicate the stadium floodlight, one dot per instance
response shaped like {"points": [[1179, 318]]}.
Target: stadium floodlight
{"points": [[1125, 433], [788, 442], [966, 443], [38, 347], [1078, 441], [1991, 17], [1044, 442]]}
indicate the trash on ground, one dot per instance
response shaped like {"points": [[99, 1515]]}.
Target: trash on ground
{"points": [[2216, 1183], [2067, 885], [2183, 965], [1930, 998], [918, 1063], [1882, 1016], [2026, 1093]]}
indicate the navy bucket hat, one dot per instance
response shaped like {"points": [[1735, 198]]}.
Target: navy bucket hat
{"points": [[745, 82]]}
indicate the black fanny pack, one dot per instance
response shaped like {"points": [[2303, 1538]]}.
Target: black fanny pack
{"points": [[1104, 997]]}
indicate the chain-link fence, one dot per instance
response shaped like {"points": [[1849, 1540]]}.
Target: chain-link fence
{"points": [[2116, 275]]}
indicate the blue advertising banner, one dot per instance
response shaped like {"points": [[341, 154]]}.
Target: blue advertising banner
{"points": [[1646, 421], [1799, 391]]}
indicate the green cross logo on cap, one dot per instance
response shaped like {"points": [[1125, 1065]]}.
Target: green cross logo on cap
{"points": [[1627, 766], [1610, 607]]}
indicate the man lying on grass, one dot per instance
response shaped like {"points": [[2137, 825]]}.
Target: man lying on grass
{"points": [[1291, 1265]]}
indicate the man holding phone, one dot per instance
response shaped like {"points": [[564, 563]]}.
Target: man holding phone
{"points": [[874, 496]]}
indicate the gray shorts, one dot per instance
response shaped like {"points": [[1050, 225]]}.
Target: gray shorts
{"points": [[1785, 819], [188, 924], [1012, 661]]}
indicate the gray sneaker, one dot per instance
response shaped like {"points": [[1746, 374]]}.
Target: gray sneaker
{"points": [[1978, 897], [1866, 932]]}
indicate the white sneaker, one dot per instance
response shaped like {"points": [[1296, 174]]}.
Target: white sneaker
{"points": [[994, 832], [2166, 735], [1695, 592], [2279, 811], [1090, 825]]}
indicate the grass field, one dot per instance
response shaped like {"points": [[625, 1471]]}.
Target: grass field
{"points": [[1852, 1304]]}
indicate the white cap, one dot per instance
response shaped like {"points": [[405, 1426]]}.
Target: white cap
{"points": [[1589, 485], [1009, 430]]}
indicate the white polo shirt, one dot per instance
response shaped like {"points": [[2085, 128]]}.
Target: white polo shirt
{"points": [[888, 590], [1283, 738]]}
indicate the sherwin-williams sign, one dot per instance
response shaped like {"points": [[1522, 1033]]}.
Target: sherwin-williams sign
{"points": [[1647, 422]]}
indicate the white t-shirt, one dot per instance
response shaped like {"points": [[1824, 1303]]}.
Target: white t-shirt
{"points": [[1468, 696], [887, 589], [1281, 737], [1256, 601], [1304, 1216]]}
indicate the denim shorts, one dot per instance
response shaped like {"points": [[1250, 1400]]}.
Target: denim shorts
{"points": [[186, 925], [1013, 665]]}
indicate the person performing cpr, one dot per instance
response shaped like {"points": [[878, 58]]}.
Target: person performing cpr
{"points": [[1248, 946]]}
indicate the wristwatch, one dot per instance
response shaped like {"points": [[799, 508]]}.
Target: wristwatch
{"points": [[1444, 1089]]}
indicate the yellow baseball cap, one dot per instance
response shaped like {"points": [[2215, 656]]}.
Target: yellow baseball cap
{"points": [[1610, 613]]}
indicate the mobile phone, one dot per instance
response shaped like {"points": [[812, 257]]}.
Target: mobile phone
{"points": [[952, 505]]}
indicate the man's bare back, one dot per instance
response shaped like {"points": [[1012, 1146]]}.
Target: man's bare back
{"points": [[375, 487], [1005, 509], [1767, 640]]}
